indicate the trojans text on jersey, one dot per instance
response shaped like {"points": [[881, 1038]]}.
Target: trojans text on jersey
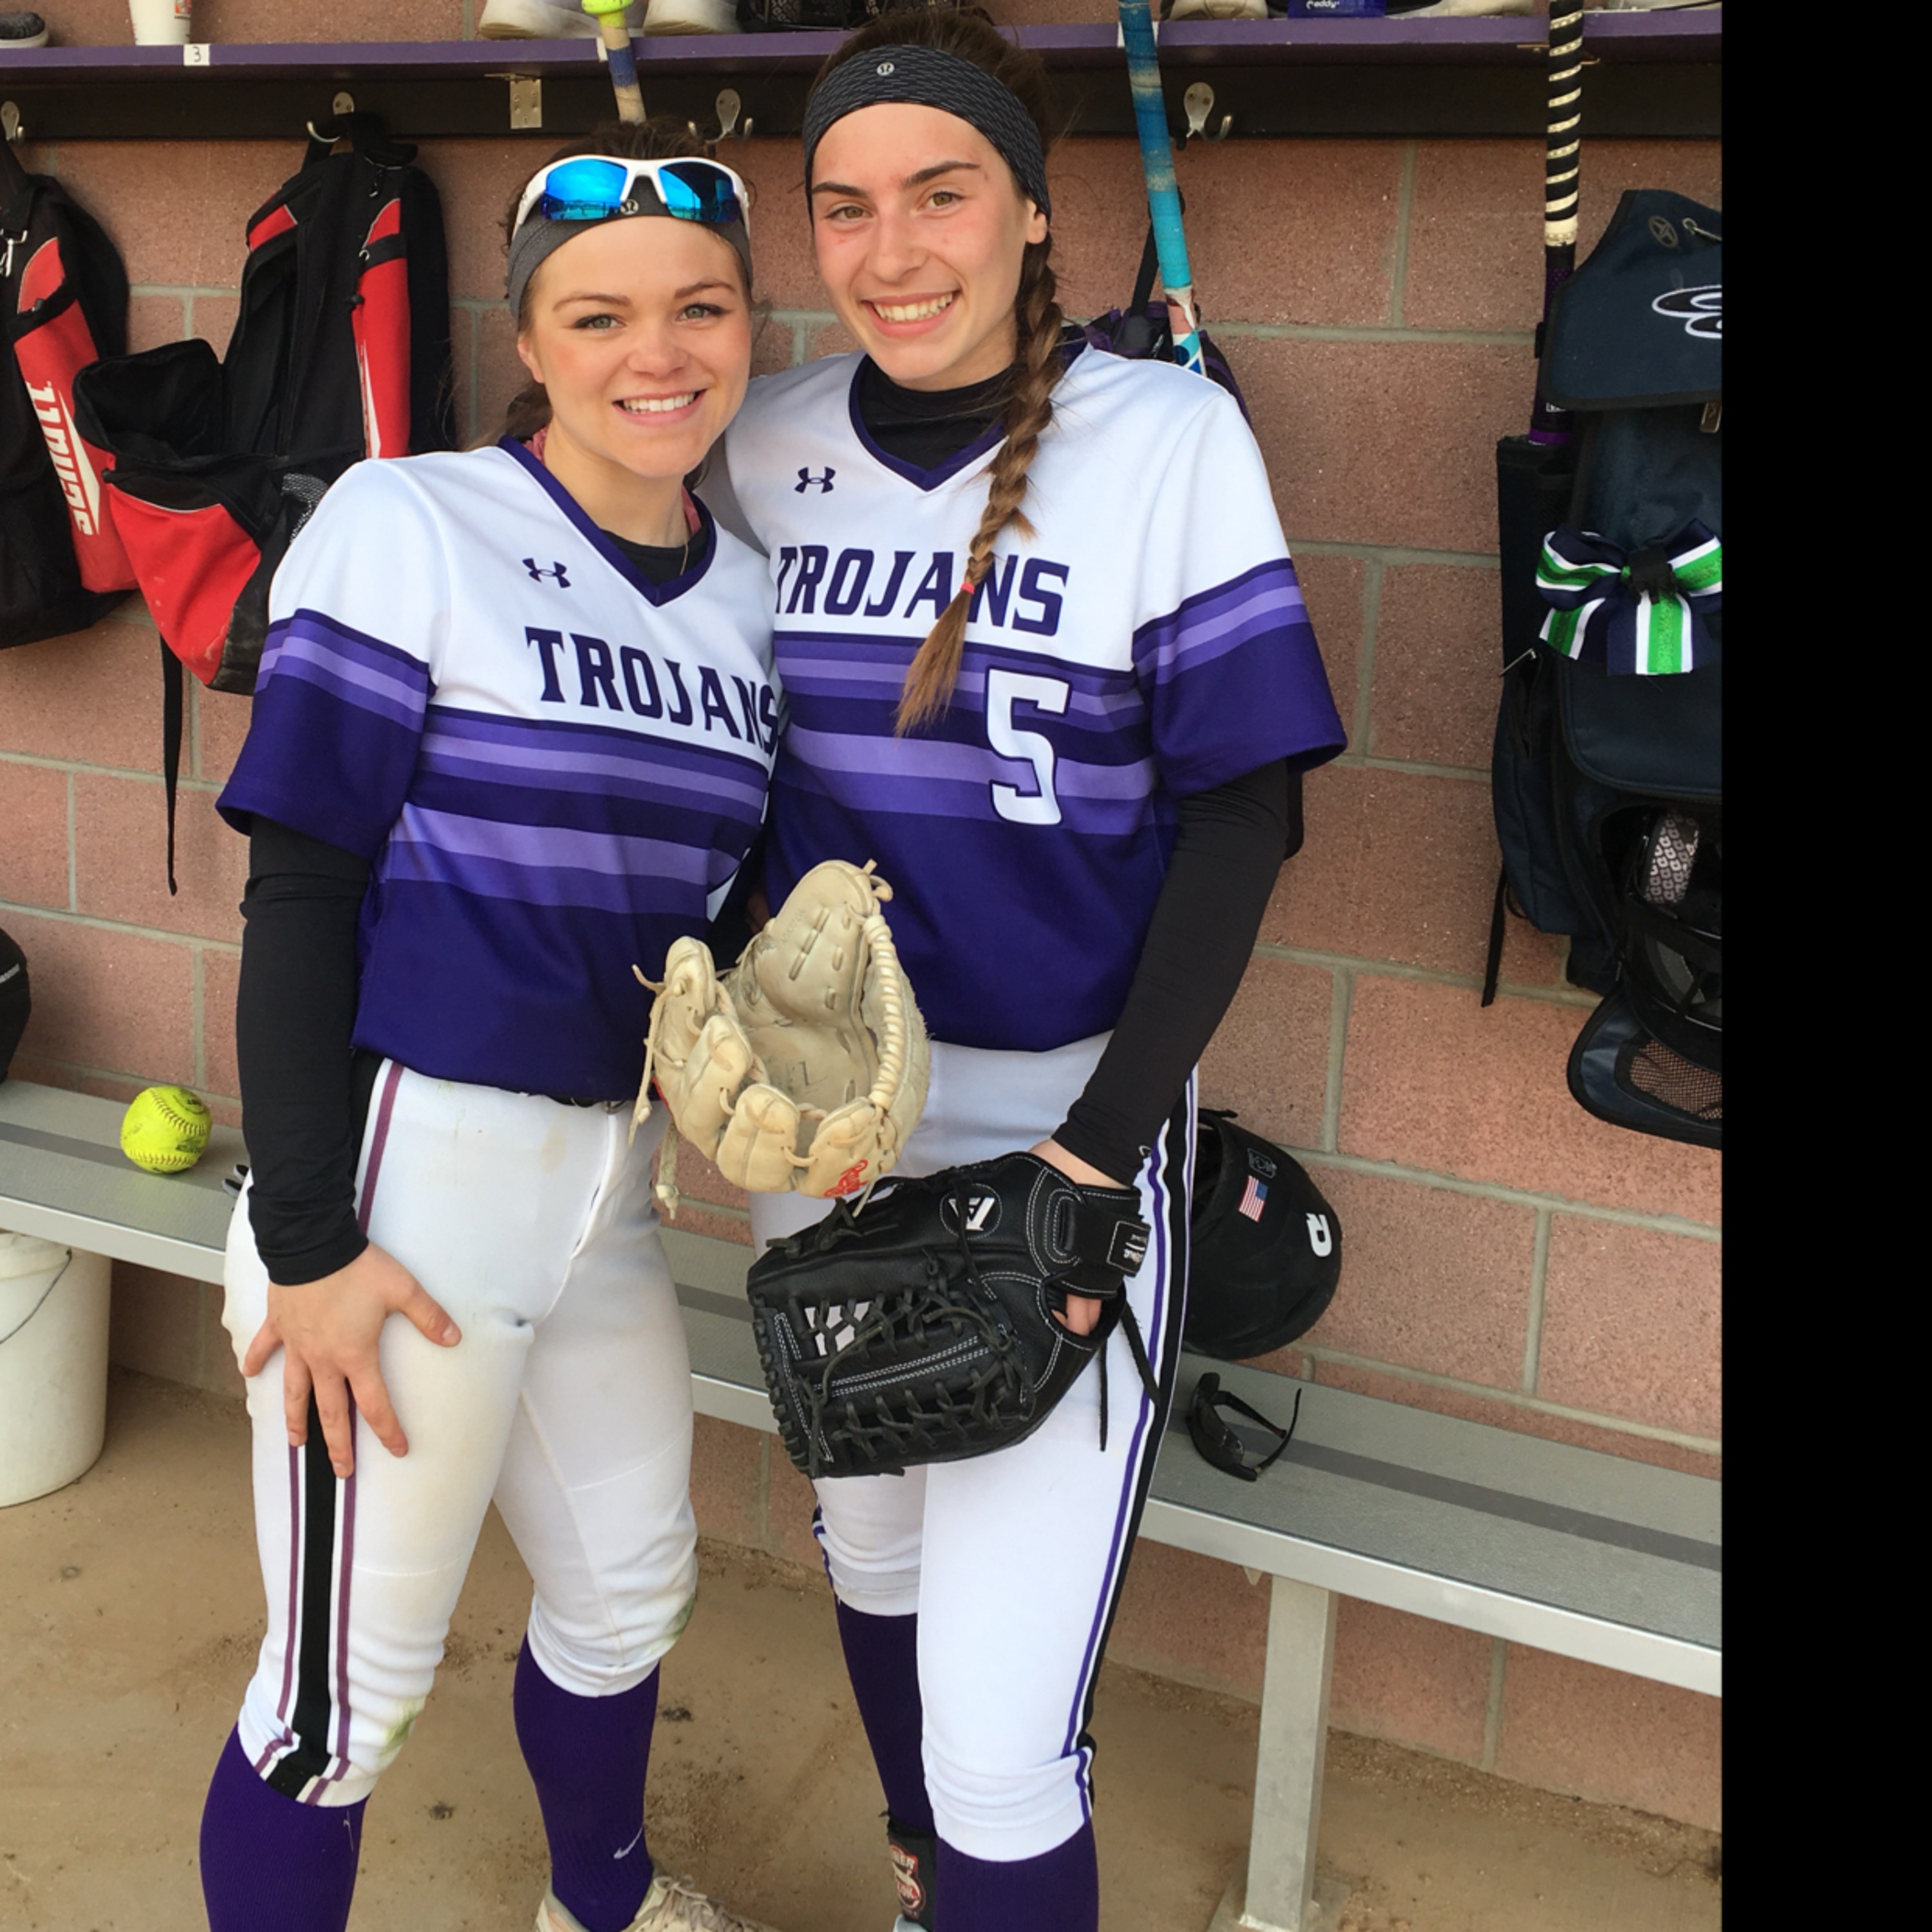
{"points": [[1014, 595], [589, 673]]}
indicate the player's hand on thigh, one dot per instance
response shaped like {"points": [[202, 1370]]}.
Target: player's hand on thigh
{"points": [[330, 1330]]}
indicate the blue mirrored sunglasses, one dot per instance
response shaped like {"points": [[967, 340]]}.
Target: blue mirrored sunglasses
{"points": [[592, 187]]}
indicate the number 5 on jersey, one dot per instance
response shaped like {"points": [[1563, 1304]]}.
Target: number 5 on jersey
{"points": [[1004, 689]]}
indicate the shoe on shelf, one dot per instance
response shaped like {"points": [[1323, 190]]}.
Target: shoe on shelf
{"points": [[22, 30], [691, 16], [1216, 10], [1460, 9], [671, 1905], [543, 20]]}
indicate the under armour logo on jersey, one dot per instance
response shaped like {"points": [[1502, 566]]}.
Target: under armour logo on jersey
{"points": [[1321, 1237], [537, 576], [806, 480]]}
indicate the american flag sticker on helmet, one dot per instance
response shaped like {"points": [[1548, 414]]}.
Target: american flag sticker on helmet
{"points": [[1254, 1199]]}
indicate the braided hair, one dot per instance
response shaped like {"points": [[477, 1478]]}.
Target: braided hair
{"points": [[1036, 365]]}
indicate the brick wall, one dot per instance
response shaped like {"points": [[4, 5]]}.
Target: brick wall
{"points": [[1510, 1259]]}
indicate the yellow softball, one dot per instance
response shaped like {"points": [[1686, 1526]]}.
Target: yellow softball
{"points": [[165, 1129]]}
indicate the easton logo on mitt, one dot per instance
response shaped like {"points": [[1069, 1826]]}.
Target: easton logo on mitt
{"points": [[923, 1328], [803, 1069]]}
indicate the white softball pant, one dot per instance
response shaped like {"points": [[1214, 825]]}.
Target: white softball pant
{"points": [[568, 1402], [1014, 1561]]}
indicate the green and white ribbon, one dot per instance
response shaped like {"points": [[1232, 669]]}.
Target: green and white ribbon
{"points": [[1643, 614]]}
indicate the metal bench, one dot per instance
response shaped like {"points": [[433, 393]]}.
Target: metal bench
{"points": [[1592, 1556]]}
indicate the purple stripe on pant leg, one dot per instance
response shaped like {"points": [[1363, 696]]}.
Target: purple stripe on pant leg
{"points": [[378, 1141], [1126, 1505], [1164, 1203], [295, 1581], [343, 1574], [345, 1563]]}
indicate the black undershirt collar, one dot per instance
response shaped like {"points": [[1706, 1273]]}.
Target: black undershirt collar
{"points": [[658, 563], [926, 427]]}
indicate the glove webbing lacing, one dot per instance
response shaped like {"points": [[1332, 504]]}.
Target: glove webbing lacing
{"points": [[980, 1393], [897, 1325]]}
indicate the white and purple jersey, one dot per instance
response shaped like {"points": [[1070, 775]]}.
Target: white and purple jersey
{"points": [[554, 766], [1149, 642]]}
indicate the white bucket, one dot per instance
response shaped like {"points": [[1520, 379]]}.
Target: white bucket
{"points": [[53, 1364]]}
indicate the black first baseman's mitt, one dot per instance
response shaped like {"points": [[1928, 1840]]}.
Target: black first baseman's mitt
{"points": [[922, 1328]]}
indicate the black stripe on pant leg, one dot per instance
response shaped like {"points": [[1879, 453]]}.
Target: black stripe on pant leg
{"points": [[1177, 1138], [314, 1706]]}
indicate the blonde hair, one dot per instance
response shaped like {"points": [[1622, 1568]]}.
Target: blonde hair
{"points": [[1036, 366]]}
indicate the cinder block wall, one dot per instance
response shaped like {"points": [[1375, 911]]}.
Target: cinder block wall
{"points": [[1510, 1259]]}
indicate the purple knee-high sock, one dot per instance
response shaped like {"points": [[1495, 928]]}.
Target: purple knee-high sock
{"points": [[1058, 1891], [587, 1757], [271, 1864], [882, 1659]]}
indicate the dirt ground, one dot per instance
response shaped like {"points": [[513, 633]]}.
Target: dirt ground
{"points": [[129, 1615]]}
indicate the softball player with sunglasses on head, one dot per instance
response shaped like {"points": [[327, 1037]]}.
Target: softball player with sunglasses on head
{"points": [[1047, 661], [513, 732]]}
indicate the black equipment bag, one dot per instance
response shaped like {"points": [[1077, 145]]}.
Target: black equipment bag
{"points": [[340, 351], [1143, 331], [16, 999], [63, 302], [1607, 768], [757, 17], [1264, 1248]]}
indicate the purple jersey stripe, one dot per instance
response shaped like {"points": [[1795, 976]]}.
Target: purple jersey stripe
{"points": [[347, 683], [364, 661], [881, 682], [609, 773], [918, 779], [1267, 598], [544, 864], [567, 739]]}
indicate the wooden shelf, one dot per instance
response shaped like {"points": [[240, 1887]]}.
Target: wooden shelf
{"points": [[1655, 74]]}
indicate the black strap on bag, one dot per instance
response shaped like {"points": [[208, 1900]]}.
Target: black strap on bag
{"points": [[171, 744]]}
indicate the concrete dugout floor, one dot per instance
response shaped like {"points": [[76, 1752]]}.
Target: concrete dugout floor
{"points": [[129, 1617]]}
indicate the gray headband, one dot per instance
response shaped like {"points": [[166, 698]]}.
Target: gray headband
{"points": [[540, 237], [927, 77]]}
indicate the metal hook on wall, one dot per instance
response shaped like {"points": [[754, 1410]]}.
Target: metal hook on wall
{"points": [[728, 106], [1199, 102], [10, 122], [341, 106]]}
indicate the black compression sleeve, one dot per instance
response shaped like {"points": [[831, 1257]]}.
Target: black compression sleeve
{"points": [[294, 1014], [1229, 849]]}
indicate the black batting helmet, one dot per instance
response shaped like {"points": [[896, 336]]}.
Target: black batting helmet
{"points": [[1266, 1247]]}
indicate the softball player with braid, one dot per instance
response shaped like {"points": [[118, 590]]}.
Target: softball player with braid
{"points": [[1047, 661], [513, 732]]}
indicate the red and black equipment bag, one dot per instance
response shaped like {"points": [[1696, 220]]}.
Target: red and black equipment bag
{"points": [[340, 351], [63, 303]]}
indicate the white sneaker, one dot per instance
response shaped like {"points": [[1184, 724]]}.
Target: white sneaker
{"points": [[1465, 10], [22, 30], [671, 1905], [543, 20], [691, 16], [1213, 10]]}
